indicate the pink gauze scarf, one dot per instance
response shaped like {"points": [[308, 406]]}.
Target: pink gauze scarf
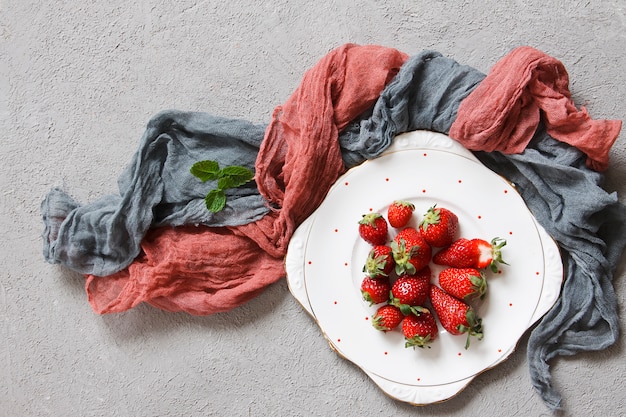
{"points": [[503, 112], [203, 270]]}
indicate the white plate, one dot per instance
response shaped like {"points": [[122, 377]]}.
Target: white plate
{"points": [[326, 256]]}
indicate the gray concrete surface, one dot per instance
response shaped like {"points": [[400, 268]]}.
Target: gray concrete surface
{"points": [[79, 80]]}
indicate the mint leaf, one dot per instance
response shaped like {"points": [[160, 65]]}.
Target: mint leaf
{"points": [[226, 182], [205, 170], [229, 177], [235, 176], [215, 200]]}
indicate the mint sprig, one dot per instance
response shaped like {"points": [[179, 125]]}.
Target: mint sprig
{"points": [[228, 177]]}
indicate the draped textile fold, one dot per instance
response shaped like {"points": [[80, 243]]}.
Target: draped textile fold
{"points": [[506, 108]]}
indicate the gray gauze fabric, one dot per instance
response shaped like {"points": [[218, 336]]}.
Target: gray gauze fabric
{"points": [[425, 94], [588, 223], [155, 189], [564, 195]]}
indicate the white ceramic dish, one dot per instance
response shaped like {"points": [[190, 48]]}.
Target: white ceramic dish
{"points": [[325, 259]]}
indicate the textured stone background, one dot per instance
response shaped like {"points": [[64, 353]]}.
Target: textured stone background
{"points": [[78, 82]]}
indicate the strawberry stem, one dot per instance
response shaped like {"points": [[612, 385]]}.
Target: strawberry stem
{"points": [[497, 244], [475, 327]]}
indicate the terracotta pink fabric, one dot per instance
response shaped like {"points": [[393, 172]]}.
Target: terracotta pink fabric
{"points": [[503, 112], [203, 270]]}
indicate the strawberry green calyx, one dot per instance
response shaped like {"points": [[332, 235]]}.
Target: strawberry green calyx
{"points": [[402, 257], [418, 341], [497, 244], [479, 285], [379, 324], [474, 327], [407, 309], [368, 298], [404, 203], [430, 217], [375, 265], [370, 219]]}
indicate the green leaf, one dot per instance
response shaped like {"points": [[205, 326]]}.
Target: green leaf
{"points": [[229, 177], [205, 170], [215, 200], [225, 183], [235, 176], [405, 309]]}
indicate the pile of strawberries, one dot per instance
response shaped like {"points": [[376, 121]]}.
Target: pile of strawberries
{"points": [[398, 274]]}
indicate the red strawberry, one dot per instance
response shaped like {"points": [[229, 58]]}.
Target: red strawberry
{"points": [[439, 226], [399, 213], [474, 253], [387, 318], [409, 232], [379, 261], [375, 290], [373, 228], [455, 316], [409, 292], [419, 330], [410, 252], [463, 283]]}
